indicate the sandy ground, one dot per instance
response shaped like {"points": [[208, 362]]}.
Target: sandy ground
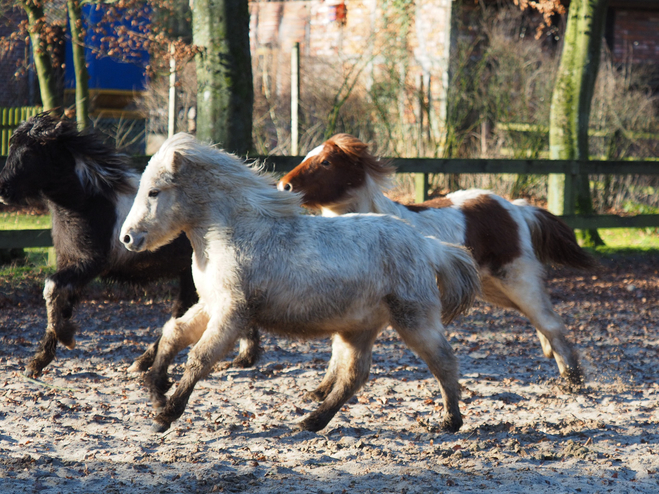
{"points": [[85, 427]]}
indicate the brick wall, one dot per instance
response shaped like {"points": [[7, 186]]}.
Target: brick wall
{"points": [[636, 36]]}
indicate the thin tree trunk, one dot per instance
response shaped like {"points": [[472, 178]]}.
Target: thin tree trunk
{"points": [[571, 100], [224, 73], [79, 63], [42, 61]]}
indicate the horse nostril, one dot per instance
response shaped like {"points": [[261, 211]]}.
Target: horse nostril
{"points": [[126, 239]]}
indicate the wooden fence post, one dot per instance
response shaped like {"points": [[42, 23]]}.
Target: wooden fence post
{"points": [[421, 179], [561, 193], [420, 187], [295, 98]]}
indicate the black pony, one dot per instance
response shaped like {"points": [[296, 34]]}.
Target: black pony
{"points": [[89, 188]]}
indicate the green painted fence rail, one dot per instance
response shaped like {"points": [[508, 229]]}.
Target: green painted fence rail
{"points": [[20, 239], [10, 118], [423, 166]]}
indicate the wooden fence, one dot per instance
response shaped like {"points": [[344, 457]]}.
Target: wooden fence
{"points": [[424, 166], [11, 118]]}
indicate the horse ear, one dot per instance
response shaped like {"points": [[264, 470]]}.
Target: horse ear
{"points": [[177, 162]]}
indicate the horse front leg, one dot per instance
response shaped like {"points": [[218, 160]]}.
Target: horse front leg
{"points": [[60, 299], [525, 287], [219, 337], [176, 335], [186, 298]]}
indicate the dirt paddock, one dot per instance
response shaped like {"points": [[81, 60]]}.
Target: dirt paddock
{"points": [[85, 426]]}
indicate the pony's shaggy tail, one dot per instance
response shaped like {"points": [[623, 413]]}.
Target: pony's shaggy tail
{"points": [[553, 240], [457, 279]]}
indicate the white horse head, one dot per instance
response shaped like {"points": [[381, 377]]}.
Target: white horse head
{"points": [[185, 173]]}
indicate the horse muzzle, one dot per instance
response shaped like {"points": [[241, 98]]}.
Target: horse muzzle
{"points": [[134, 241], [285, 186]]}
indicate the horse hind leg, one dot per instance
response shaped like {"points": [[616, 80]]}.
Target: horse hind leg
{"points": [[349, 368], [43, 356], [145, 361], [525, 289], [428, 342]]}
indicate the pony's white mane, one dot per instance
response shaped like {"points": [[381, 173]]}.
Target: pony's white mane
{"points": [[373, 189], [228, 175], [383, 181]]}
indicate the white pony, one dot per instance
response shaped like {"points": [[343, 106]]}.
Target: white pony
{"points": [[509, 241], [258, 262]]}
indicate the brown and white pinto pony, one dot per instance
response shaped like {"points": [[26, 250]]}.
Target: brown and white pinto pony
{"points": [[510, 241]]}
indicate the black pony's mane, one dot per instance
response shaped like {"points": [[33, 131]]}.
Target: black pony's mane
{"points": [[99, 167]]}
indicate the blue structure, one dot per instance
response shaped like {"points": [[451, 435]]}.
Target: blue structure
{"points": [[107, 73]]}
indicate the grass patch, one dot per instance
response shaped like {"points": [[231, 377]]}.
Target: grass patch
{"points": [[629, 241], [20, 221], [36, 257]]}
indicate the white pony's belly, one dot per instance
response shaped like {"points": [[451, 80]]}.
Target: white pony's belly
{"points": [[316, 318]]}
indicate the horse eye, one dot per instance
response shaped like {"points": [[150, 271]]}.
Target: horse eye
{"points": [[154, 193], [325, 163]]}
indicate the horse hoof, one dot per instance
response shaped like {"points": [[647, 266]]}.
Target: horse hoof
{"points": [[451, 424], [71, 344], [243, 362], [574, 377], [159, 427], [310, 425], [222, 366], [313, 396], [136, 368], [32, 373]]}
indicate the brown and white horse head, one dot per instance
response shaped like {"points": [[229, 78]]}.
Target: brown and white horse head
{"points": [[331, 173]]}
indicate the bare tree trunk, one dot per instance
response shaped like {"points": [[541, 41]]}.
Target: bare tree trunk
{"points": [[42, 61], [224, 73], [79, 63], [571, 100]]}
